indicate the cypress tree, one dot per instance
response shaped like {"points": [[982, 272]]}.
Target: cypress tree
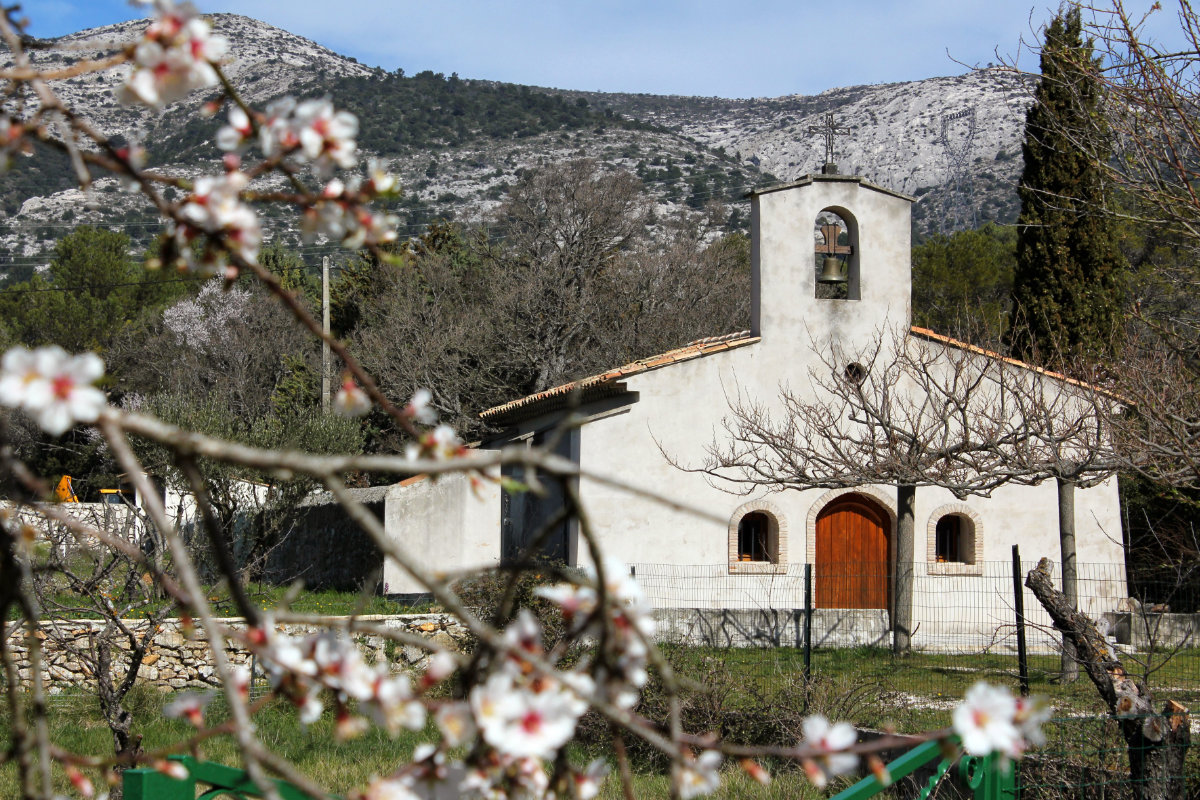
{"points": [[1067, 285]]}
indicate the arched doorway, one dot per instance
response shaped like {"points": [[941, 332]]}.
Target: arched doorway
{"points": [[853, 554]]}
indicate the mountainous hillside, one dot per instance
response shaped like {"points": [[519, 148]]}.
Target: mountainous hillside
{"points": [[954, 143]]}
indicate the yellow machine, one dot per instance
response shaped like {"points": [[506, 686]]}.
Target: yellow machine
{"points": [[64, 492]]}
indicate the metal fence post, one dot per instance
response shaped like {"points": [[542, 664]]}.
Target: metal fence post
{"points": [[1019, 605], [807, 624]]}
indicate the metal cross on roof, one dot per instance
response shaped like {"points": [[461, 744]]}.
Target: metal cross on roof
{"points": [[828, 130]]}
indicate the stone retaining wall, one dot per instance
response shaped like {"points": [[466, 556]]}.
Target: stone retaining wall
{"points": [[780, 627], [175, 661]]}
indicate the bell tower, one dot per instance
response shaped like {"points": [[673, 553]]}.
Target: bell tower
{"points": [[830, 257]]}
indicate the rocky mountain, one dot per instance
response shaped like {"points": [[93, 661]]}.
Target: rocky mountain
{"points": [[953, 143]]}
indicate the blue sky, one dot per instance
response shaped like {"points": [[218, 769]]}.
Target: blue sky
{"points": [[760, 48]]}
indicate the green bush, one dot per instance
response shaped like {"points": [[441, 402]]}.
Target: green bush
{"points": [[497, 595], [719, 698]]}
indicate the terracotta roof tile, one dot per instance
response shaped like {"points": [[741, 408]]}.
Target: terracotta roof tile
{"points": [[713, 344], [958, 344], [716, 344], [696, 349]]}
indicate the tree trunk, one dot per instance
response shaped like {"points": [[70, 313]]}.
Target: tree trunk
{"points": [[1070, 571], [119, 720], [902, 606], [1157, 743]]}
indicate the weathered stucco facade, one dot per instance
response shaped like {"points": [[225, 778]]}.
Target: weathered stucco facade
{"points": [[640, 418]]}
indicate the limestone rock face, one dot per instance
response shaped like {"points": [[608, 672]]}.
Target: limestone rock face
{"points": [[954, 142]]}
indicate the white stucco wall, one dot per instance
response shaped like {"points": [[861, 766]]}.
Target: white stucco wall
{"points": [[443, 526], [787, 313], [680, 410]]}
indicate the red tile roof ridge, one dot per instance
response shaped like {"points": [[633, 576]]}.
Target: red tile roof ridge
{"points": [[1016, 362], [413, 479], [725, 337], [715, 344], [695, 349]]}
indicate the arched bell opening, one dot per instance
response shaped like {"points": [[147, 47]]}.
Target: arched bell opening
{"points": [[835, 235]]}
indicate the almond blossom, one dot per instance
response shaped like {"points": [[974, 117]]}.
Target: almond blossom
{"points": [[829, 741], [301, 669], [440, 444], [82, 783], [441, 665], [986, 721], [12, 141], [340, 666], [632, 622], [172, 769], [456, 723], [311, 131], [310, 707], [392, 703], [522, 723], [420, 407], [390, 789], [1031, 714], [215, 208], [351, 400], [174, 56], [53, 387], [587, 783], [522, 711], [189, 706], [233, 136], [133, 154], [699, 776], [326, 136], [379, 180], [506, 777], [523, 636], [340, 213]]}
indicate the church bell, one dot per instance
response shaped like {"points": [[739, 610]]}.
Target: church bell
{"points": [[831, 271]]}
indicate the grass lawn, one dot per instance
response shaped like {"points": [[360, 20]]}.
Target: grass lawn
{"points": [[76, 725], [750, 687], [933, 677], [329, 603]]}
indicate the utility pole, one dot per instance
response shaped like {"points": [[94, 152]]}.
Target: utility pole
{"points": [[325, 328]]}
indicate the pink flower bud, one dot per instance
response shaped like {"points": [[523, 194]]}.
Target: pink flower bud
{"points": [[172, 769], [81, 782]]}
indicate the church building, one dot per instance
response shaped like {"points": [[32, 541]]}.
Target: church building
{"points": [[633, 421]]}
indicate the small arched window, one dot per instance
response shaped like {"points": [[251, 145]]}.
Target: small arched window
{"points": [[754, 538], [955, 541], [757, 539], [951, 545]]}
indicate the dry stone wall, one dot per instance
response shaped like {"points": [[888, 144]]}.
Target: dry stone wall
{"points": [[178, 661]]}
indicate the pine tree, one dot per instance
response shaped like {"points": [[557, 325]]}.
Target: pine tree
{"points": [[1067, 286]]}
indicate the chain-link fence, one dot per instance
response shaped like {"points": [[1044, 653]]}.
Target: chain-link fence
{"points": [[771, 632], [964, 619]]}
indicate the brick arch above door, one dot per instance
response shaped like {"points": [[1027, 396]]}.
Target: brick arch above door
{"points": [[888, 503]]}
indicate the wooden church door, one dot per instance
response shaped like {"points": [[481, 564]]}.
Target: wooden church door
{"points": [[853, 554]]}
